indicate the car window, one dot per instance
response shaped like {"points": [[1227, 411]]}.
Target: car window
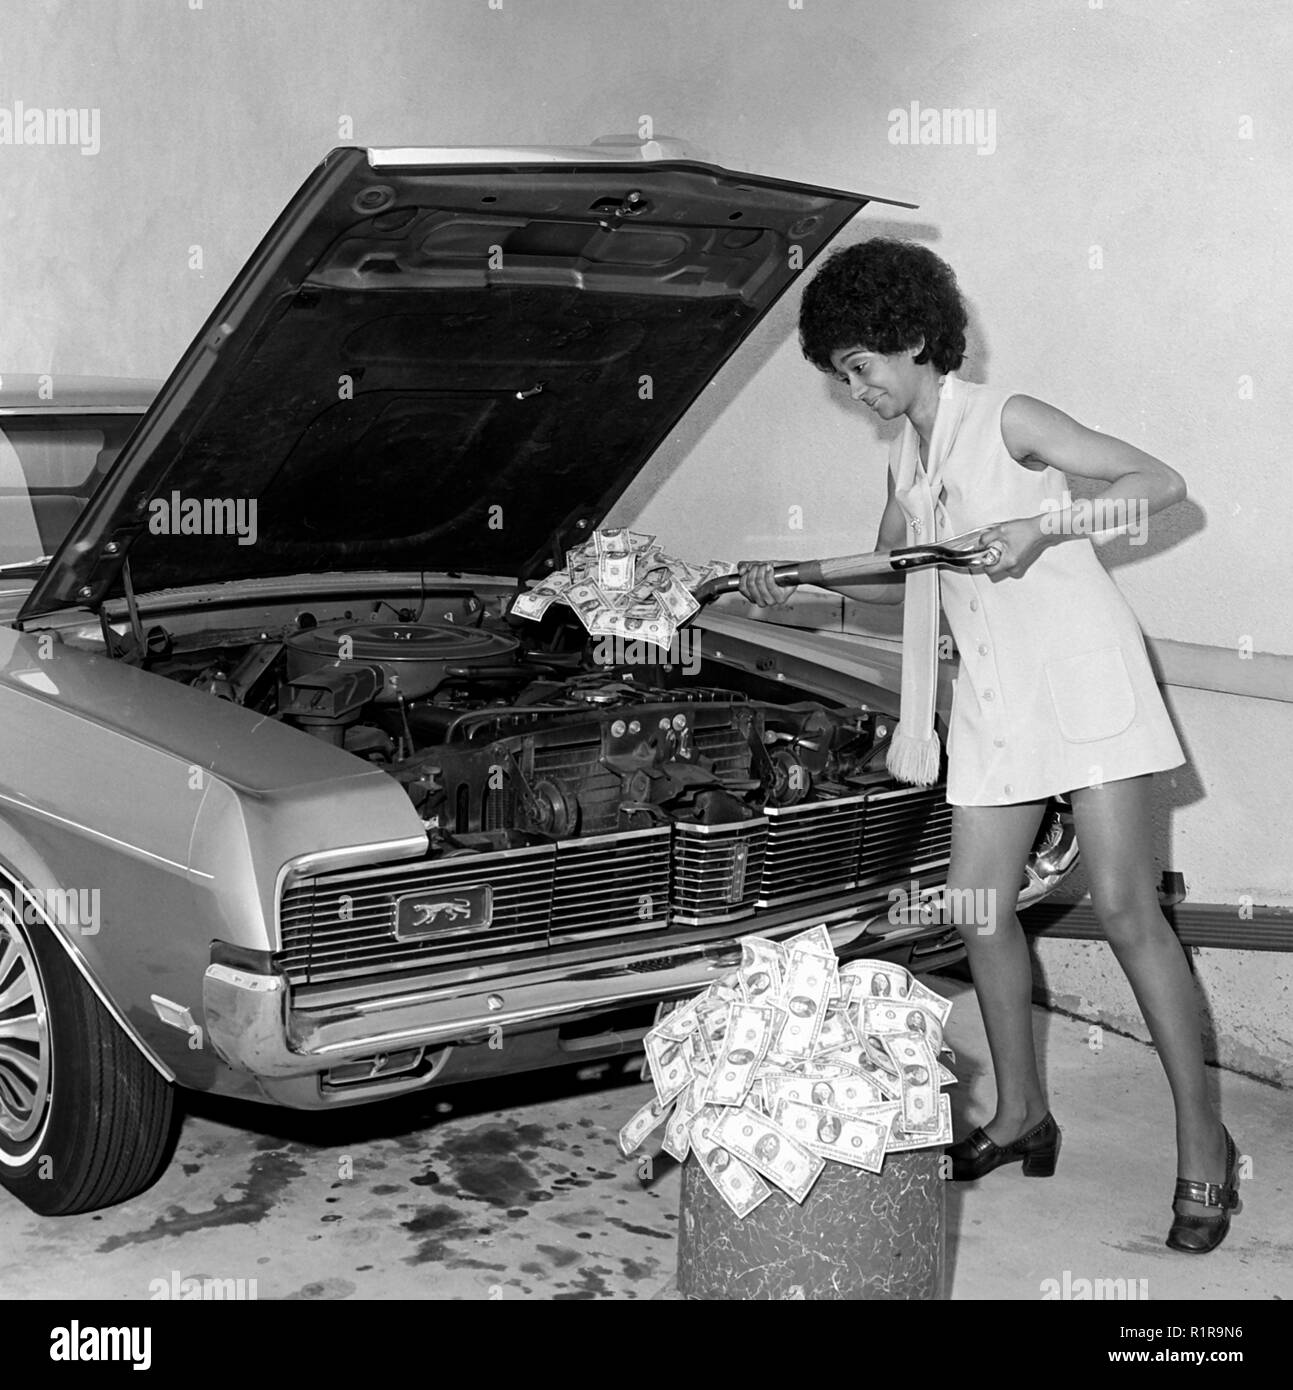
{"points": [[49, 468]]}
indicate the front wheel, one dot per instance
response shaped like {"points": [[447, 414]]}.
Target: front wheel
{"points": [[85, 1119]]}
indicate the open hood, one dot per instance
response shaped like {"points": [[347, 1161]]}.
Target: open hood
{"points": [[437, 362]]}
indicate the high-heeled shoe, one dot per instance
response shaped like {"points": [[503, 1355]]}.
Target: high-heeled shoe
{"points": [[976, 1155], [1196, 1235]]}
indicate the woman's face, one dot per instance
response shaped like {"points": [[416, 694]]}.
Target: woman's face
{"points": [[887, 382]]}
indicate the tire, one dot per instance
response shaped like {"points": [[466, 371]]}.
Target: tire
{"points": [[86, 1120]]}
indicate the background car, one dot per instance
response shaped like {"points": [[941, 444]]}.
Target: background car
{"points": [[292, 808]]}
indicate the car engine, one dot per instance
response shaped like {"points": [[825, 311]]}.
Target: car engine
{"points": [[570, 795], [492, 740]]}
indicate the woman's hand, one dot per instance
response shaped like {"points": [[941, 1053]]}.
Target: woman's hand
{"points": [[1020, 543], [758, 585]]}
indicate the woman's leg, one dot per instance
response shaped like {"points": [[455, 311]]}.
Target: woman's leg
{"points": [[990, 846], [1113, 829]]}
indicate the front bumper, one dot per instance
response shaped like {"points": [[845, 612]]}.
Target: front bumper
{"points": [[257, 1027]]}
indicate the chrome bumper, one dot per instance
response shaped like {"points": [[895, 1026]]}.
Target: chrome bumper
{"points": [[253, 1025]]}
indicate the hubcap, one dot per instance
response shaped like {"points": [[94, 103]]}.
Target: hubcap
{"points": [[24, 1034]]}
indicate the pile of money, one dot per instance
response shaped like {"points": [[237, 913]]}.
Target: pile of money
{"points": [[621, 584], [793, 1060]]}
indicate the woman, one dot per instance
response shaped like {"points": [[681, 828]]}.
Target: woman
{"points": [[1055, 693]]}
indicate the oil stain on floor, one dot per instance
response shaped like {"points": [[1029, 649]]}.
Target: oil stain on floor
{"points": [[503, 1190]]}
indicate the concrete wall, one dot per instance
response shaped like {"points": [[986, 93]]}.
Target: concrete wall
{"points": [[1118, 228]]}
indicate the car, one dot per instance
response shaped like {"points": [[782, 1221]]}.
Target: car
{"points": [[292, 807]]}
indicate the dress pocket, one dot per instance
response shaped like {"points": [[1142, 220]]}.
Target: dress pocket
{"points": [[1092, 695]]}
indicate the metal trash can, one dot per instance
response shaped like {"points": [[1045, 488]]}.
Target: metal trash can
{"points": [[857, 1235]]}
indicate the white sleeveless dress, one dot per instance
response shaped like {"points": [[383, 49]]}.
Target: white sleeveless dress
{"points": [[1055, 689]]}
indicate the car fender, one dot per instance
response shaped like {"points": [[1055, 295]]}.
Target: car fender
{"points": [[178, 813]]}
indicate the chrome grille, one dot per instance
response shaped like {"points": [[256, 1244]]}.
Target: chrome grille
{"points": [[716, 870], [341, 924], [611, 884], [907, 835], [813, 849]]}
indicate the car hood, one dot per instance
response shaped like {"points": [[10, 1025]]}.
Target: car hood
{"points": [[437, 362]]}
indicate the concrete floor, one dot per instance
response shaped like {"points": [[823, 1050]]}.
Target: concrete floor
{"points": [[516, 1190]]}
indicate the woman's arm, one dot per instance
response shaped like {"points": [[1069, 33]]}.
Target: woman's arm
{"points": [[1037, 436]]}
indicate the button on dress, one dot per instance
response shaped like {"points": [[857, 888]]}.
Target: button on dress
{"points": [[1055, 689]]}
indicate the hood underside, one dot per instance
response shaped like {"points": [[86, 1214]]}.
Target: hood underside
{"points": [[440, 367]]}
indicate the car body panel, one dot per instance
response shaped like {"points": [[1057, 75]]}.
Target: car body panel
{"points": [[173, 808]]}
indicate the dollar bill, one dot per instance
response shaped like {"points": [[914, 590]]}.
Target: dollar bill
{"points": [[737, 1183], [670, 1062], [935, 1003], [677, 1131], [919, 1070], [850, 1139], [762, 969], [581, 569], [901, 1139], [659, 632], [642, 611], [877, 979], [816, 938], [810, 981], [604, 623], [615, 573], [587, 600], [619, 583], [612, 541], [888, 1114], [755, 1098], [650, 1117], [881, 1016], [654, 574], [749, 1032], [877, 1055], [770, 1151], [836, 1031], [679, 1019], [714, 1012], [703, 1054], [677, 1137], [851, 1094], [727, 990], [532, 605], [677, 601]]}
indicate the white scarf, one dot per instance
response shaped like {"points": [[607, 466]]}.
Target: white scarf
{"points": [[915, 751]]}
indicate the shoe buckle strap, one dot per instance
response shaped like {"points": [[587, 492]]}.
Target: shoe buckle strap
{"points": [[1209, 1194], [980, 1142]]}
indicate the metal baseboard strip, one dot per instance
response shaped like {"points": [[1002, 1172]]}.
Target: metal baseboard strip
{"points": [[1218, 925]]}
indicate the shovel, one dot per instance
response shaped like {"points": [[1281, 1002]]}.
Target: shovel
{"points": [[844, 569]]}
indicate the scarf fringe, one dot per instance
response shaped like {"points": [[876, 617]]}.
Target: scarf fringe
{"points": [[914, 760]]}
